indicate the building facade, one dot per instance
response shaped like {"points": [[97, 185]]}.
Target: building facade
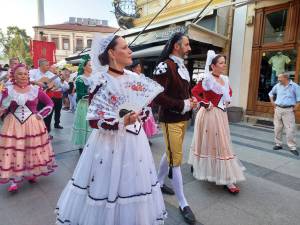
{"points": [[211, 32], [71, 37], [267, 39]]}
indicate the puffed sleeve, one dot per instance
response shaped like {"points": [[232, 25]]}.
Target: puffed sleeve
{"points": [[162, 74], [46, 100]]}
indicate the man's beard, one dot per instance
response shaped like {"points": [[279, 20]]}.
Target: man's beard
{"points": [[184, 55]]}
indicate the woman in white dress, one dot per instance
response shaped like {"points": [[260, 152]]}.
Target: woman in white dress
{"points": [[115, 181]]}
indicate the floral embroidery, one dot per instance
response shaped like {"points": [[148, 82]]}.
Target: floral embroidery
{"points": [[112, 96], [137, 87]]}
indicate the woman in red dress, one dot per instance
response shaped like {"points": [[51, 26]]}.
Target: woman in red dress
{"points": [[211, 153]]}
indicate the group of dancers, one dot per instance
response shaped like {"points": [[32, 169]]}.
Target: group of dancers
{"points": [[115, 180]]}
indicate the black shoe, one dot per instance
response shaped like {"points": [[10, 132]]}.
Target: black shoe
{"points": [[277, 147], [58, 127], [295, 152], [80, 151], [150, 143], [167, 190], [188, 215], [192, 169]]}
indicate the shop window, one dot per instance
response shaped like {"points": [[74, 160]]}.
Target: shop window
{"points": [[272, 64], [275, 26]]}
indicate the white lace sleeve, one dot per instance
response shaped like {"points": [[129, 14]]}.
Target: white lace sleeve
{"points": [[100, 111]]}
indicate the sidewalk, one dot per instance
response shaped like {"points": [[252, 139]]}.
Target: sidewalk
{"points": [[270, 196]]}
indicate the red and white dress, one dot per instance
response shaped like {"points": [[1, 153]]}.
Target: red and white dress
{"points": [[211, 152], [25, 150]]}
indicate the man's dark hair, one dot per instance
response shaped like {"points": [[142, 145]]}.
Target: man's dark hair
{"points": [[176, 38]]}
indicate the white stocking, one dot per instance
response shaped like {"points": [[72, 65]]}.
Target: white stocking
{"points": [[163, 170], [178, 186]]}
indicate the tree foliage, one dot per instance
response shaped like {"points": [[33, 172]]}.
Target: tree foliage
{"points": [[15, 43]]}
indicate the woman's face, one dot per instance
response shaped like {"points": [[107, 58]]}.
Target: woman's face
{"points": [[21, 76], [88, 68], [219, 67], [121, 54]]}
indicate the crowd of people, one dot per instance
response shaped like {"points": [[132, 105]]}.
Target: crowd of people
{"points": [[115, 181]]}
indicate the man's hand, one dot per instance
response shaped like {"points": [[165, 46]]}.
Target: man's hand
{"points": [[294, 108], [273, 104], [193, 102], [272, 101]]}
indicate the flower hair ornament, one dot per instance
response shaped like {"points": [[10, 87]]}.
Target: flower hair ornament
{"points": [[99, 45], [209, 58]]}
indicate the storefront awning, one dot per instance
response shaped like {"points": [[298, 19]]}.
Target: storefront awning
{"points": [[195, 32], [203, 35], [148, 52]]}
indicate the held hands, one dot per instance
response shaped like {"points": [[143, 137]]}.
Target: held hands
{"points": [[130, 118]]}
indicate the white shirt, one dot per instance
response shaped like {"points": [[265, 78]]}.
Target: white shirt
{"points": [[36, 74]]}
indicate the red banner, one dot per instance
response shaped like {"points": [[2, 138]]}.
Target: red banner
{"points": [[42, 49]]}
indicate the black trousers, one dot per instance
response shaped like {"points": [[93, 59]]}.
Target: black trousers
{"points": [[56, 110]]}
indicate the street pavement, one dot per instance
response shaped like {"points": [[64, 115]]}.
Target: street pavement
{"points": [[269, 196]]}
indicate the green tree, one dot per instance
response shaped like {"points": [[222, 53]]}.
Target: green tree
{"points": [[15, 43]]}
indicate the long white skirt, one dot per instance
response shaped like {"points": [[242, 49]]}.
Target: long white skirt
{"points": [[114, 183]]}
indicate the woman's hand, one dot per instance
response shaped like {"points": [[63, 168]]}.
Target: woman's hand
{"points": [[130, 118], [210, 106], [2, 111]]}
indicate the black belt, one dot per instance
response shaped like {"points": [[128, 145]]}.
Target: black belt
{"points": [[285, 106]]}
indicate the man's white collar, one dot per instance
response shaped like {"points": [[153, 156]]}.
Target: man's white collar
{"points": [[182, 70], [177, 59]]}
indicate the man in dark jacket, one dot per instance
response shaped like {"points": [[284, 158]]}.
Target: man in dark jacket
{"points": [[175, 105]]}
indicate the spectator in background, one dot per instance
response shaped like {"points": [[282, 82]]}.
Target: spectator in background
{"points": [[66, 76], [149, 125], [7, 76], [72, 95], [55, 93], [287, 98]]}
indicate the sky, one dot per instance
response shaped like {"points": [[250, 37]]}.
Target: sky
{"points": [[23, 13]]}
